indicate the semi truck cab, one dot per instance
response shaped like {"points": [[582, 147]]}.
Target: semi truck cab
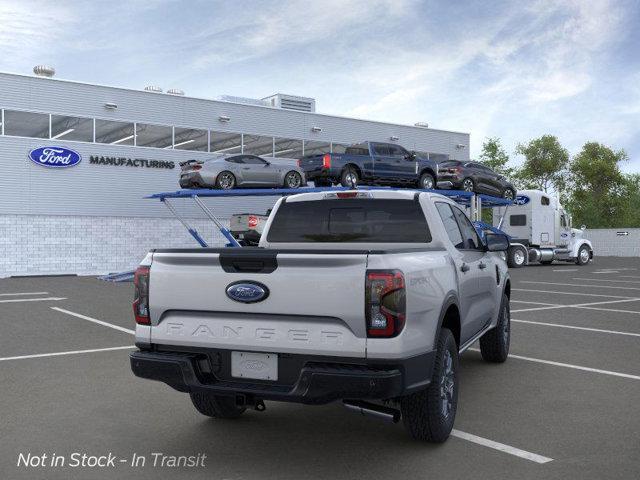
{"points": [[541, 232]]}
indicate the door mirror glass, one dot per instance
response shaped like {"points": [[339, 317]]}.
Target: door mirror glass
{"points": [[496, 242]]}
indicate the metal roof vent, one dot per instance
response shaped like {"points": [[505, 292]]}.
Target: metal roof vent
{"points": [[153, 88], [175, 91], [292, 102], [422, 124], [44, 71]]}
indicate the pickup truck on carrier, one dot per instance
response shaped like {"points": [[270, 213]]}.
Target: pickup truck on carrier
{"points": [[363, 296], [371, 163]]}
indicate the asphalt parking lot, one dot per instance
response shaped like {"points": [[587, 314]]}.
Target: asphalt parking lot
{"points": [[565, 405]]}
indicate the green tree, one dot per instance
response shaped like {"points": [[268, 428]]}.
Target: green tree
{"points": [[545, 165], [630, 216], [495, 157], [599, 193]]}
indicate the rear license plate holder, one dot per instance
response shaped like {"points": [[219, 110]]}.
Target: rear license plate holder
{"points": [[256, 366]]}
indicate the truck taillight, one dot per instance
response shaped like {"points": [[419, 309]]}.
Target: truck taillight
{"points": [[141, 296], [326, 161], [299, 162], [253, 221], [196, 167], [385, 303]]}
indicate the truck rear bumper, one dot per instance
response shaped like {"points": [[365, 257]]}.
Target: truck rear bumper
{"points": [[318, 381]]}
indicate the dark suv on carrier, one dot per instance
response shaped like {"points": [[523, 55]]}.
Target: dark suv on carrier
{"points": [[474, 177]]}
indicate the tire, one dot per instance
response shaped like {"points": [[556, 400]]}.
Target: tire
{"points": [[349, 177], [225, 180], [516, 257], [292, 180], [494, 345], [509, 194], [584, 255], [427, 182], [216, 406], [425, 415], [468, 185]]}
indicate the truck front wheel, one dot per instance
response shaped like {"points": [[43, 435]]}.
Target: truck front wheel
{"points": [[429, 414], [583, 255], [216, 406]]}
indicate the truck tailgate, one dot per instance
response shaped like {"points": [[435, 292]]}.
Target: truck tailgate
{"points": [[315, 303]]}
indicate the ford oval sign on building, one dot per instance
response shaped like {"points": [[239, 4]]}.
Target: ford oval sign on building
{"points": [[247, 292], [56, 157]]}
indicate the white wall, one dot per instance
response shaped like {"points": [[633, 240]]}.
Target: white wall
{"points": [[53, 244], [610, 242]]}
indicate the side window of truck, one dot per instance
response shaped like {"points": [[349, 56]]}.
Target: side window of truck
{"points": [[381, 150], [396, 151], [517, 220], [469, 234], [450, 224]]}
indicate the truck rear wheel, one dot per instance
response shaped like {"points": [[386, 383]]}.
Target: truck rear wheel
{"points": [[349, 177], [429, 414], [494, 345], [216, 406], [516, 257]]}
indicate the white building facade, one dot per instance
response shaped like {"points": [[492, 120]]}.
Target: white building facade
{"points": [[92, 218]]}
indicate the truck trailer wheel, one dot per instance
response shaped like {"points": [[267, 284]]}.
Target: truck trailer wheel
{"points": [[516, 257], [216, 406], [583, 255], [494, 345], [429, 414]]}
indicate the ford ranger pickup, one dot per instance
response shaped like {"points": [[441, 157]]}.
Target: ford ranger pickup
{"points": [[364, 297], [371, 163]]}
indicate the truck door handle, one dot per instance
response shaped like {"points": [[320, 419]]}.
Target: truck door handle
{"points": [[465, 267], [482, 266], [246, 168]]}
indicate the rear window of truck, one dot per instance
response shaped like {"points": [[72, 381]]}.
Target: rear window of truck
{"points": [[352, 220]]}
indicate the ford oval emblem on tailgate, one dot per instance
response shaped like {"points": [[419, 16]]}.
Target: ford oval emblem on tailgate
{"points": [[247, 291]]}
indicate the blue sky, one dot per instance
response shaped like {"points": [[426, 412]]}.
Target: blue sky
{"points": [[515, 70]]}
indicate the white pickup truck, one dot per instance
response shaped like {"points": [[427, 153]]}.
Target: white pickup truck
{"points": [[362, 296]]}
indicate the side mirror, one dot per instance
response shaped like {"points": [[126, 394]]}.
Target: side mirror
{"points": [[496, 242], [583, 227], [410, 156]]}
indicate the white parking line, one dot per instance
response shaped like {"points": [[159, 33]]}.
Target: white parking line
{"points": [[536, 303], [616, 310], [94, 320], [569, 365], [571, 293], [578, 285], [628, 276], [16, 300], [566, 269], [604, 280], [23, 293], [72, 352], [485, 442], [574, 327], [579, 305]]}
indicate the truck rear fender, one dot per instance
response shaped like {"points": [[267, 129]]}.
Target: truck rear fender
{"points": [[450, 316]]}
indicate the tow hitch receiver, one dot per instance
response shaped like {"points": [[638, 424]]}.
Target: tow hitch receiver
{"points": [[387, 414]]}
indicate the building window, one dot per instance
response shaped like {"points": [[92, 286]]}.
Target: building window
{"points": [[26, 124], [157, 136], [72, 128], [190, 139], [338, 147], [114, 133], [287, 148], [224, 142], [258, 145], [316, 148]]}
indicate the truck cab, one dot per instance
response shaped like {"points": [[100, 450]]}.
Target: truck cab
{"points": [[540, 230]]}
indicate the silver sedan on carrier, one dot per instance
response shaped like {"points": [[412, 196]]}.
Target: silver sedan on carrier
{"points": [[240, 170]]}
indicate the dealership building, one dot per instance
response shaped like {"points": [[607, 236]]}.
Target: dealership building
{"points": [[91, 217]]}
